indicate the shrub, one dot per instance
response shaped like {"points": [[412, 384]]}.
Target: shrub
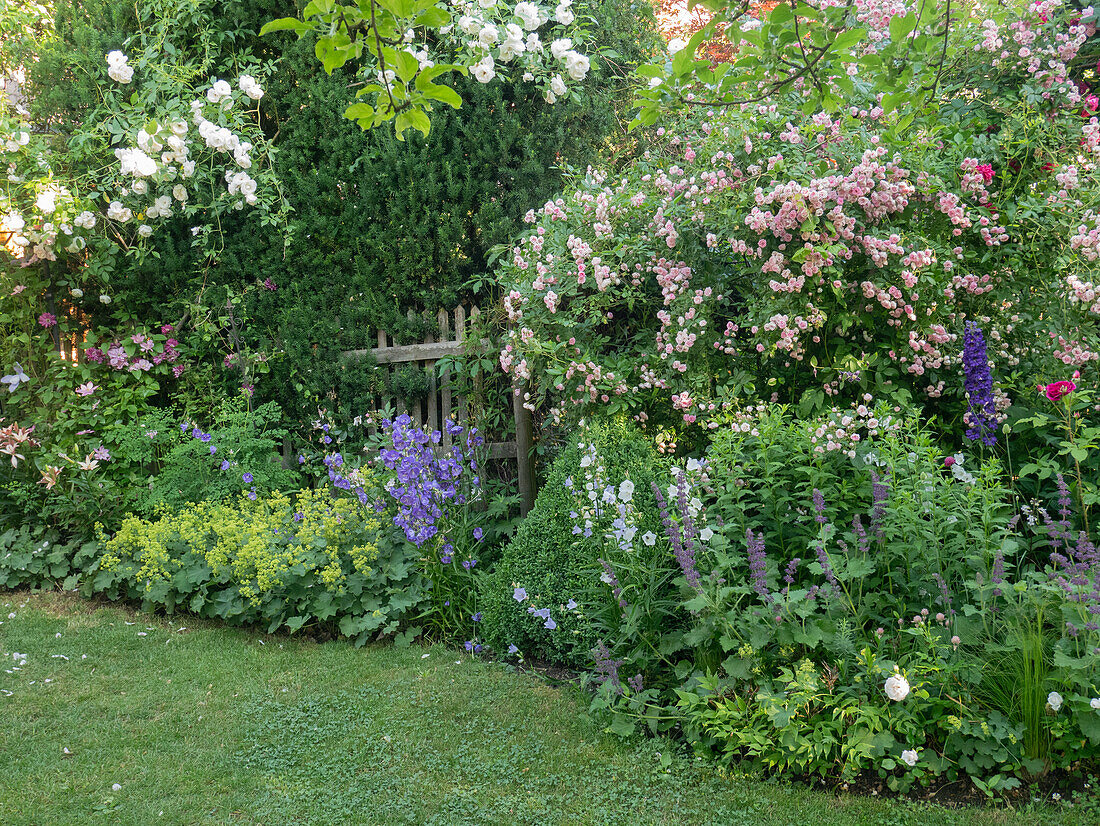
{"points": [[278, 560], [553, 565]]}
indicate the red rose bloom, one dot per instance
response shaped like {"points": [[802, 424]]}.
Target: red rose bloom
{"points": [[1059, 389]]}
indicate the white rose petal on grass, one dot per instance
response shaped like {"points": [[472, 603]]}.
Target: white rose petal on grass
{"points": [[1054, 700], [909, 757], [897, 688]]}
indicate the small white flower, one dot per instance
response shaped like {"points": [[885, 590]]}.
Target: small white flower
{"points": [[626, 490], [577, 65], [563, 14], [557, 85], [909, 757], [528, 13], [1095, 703], [706, 534], [145, 230], [76, 292], [219, 91], [897, 687], [606, 579], [179, 192], [649, 538], [676, 45], [484, 70], [104, 299], [559, 47], [1054, 700], [116, 787]]}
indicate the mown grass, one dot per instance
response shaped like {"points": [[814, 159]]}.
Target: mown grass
{"points": [[210, 725]]}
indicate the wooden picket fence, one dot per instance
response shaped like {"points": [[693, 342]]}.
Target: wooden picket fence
{"points": [[442, 403]]}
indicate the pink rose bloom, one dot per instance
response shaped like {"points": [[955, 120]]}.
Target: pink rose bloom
{"points": [[47, 320], [1059, 389], [986, 171]]}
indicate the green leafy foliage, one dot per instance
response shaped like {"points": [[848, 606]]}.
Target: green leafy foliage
{"points": [[553, 564]]}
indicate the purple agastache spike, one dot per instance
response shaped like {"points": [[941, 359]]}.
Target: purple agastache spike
{"points": [[678, 535], [758, 565], [788, 576], [880, 492], [607, 667]]}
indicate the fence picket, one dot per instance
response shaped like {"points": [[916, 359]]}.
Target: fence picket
{"points": [[442, 404]]}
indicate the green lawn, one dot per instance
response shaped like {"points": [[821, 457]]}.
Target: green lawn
{"points": [[209, 725]]}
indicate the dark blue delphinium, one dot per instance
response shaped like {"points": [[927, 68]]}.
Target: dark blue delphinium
{"points": [[978, 383]]}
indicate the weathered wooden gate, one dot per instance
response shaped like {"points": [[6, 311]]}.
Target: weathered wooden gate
{"points": [[441, 402]]}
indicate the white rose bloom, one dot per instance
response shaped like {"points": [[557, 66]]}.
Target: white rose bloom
{"points": [[250, 87], [147, 142], [76, 292], [248, 187], [897, 688], [242, 159], [13, 222], [563, 14], [909, 757], [104, 299], [161, 208], [145, 230], [469, 25], [510, 48], [1054, 700], [118, 68], [196, 112], [484, 70], [557, 85], [179, 127], [179, 192], [24, 138], [528, 13], [577, 65], [528, 76], [550, 97], [140, 187], [489, 35], [115, 210], [85, 219], [187, 169], [135, 162], [533, 43], [46, 201], [250, 198], [486, 4], [219, 91], [560, 47]]}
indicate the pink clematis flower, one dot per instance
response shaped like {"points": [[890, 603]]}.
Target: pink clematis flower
{"points": [[86, 389]]}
